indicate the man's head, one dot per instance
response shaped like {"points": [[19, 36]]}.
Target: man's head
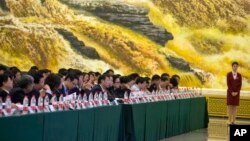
{"points": [[104, 80], [71, 81], [116, 81], [38, 81], [6, 81], [141, 83], [110, 72], [54, 81], [164, 81], [26, 83], [16, 73], [156, 79]]}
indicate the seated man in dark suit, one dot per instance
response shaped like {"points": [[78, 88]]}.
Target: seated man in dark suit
{"points": [[52, 85], [6, 84], [124, 87], [156, 79], [25, 86], [69, 83], [102, 87], [38, 85]]}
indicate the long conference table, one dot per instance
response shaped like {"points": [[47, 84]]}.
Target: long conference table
{"points": [[126, 122]]}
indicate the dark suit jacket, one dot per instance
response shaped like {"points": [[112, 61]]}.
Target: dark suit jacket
{"points": [[96, 89], [152, 88], [17, 95], [34, 92], [3, 94], [74, 90], [62, 91]]}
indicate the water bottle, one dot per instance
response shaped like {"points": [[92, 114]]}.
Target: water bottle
{"points": [[54, 101], [79, 98], [90, 102], [25, 104], [85, 103], [61, 98], [126, 95], [105, 97], [46, 100], [46, 103], [85, 98], [79, 101], [100, 97], [40, 103], [90, 97], [61, 102], [8, 104], [95, 96], [33, 103]]}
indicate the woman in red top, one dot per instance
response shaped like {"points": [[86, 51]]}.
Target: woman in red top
{"points": [[234, 82]]}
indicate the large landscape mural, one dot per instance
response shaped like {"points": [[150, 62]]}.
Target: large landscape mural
{"points": [[197, 39]]}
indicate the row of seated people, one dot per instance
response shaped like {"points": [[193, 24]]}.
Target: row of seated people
{"points": [[43, 82]]}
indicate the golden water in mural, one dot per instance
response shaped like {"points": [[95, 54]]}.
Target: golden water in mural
{"points": [[208, 36]]}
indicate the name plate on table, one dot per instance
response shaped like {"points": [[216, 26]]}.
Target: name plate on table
{"points": [[46, 109], [8, 112], [52, 108], [32, 109]]}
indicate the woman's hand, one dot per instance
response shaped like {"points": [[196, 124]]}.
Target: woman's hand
{"points": [[234, 93]]}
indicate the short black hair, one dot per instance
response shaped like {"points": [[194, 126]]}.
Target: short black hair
{"points": [[165, 75], [34, 68], [134, 76], [109, 70], [3, 67], [124, 79], [174, 81], [25, 81], [176, 76], [12, 68], [91, 73], [44, 71], [53, 80], [235, 63], [147, 79], [71, 76], [37, 77], [63, 71], [140, 80], [102, 77], [4, 78], [164, 78], [97, 74], [14, 71], [115, 77], [156, 77]]}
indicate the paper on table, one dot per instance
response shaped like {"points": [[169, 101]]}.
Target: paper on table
{"points": [[70, 97]]}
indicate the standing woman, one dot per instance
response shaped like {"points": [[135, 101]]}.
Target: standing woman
{"points": [[234, 82]]}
